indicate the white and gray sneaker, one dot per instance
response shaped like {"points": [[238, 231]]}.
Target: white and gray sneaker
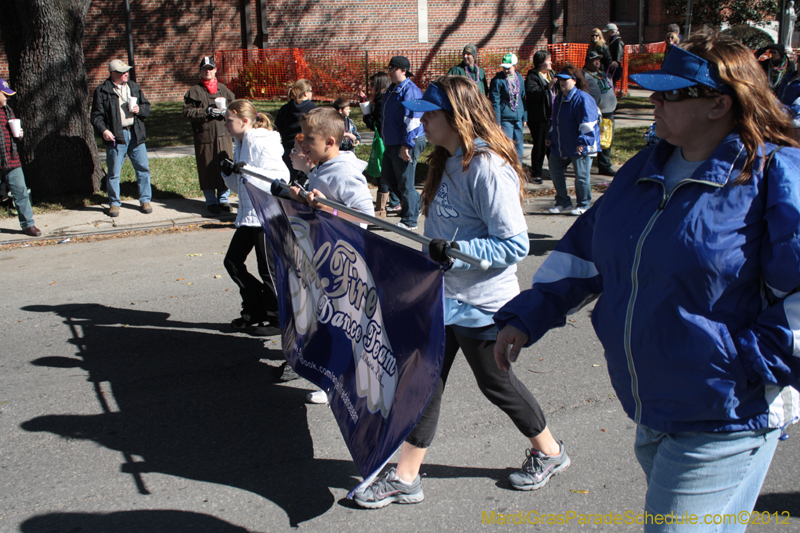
{"points": [[318, 396], [389, 489], [538, 468]]}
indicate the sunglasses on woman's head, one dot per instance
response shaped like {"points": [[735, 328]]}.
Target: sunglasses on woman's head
{"points": [[695, 91]]}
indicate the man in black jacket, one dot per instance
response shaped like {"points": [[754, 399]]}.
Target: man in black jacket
{"points": [[118, 109], [617, 50]]}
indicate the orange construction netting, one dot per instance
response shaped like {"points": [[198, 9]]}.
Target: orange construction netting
{"points": [[261, 74]]}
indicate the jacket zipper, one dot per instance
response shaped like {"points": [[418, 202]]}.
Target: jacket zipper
{"points": [[635, 286]]}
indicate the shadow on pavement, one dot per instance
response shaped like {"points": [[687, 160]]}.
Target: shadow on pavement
{"points": [[166, 521], [191, 404]]}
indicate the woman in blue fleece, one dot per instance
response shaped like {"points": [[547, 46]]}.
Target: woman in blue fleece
{"points": [[694, 253], [474, 187]]}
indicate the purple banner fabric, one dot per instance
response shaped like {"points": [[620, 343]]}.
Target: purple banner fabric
{"points": [[362, 317]]}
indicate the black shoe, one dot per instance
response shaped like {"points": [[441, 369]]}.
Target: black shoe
{"points": [[240, 324], [263, 329], [214, 209], [537, 180], [226, 207], [287, 373], [607, 172]]}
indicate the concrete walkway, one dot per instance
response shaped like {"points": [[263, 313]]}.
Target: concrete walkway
{"points": [[62, 225]]}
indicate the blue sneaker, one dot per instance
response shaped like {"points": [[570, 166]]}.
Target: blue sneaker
{"points": [[389, 489], [538, 468]]}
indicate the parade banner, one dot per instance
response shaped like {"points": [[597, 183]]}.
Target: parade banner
{"points": [[361, 317]]}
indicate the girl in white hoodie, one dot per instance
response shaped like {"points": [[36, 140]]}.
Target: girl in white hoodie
{"points": [[255, 145]]}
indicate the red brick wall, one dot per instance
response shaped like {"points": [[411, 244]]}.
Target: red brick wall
{"points": [[170, 36], [354, 24]]}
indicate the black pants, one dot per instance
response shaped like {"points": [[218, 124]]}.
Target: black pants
{"points": [[259, 299], [501, 388], [539, 132]]}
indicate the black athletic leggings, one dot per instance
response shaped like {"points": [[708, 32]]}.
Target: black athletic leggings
{"points": [[500, 387]]}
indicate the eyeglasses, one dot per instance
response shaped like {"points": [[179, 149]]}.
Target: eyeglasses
{"points": [[294, 151], [695, 91]]}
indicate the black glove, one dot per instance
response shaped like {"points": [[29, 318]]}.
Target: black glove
{"points": [[275, 188], [210, 111], [229, 167], [219, 114], [437, 248]]}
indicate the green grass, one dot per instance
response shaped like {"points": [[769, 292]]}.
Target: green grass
{"points": [[634, 102], [166, 125], [177, 177], [627, 143]]}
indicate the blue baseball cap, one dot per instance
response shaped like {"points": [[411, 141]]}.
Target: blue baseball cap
{"points": [[434, 99], [681, 69]]}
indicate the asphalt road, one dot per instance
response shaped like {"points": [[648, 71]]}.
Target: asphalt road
{"points": [[127, 405]]}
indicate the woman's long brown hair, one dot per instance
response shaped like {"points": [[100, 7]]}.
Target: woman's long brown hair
{"points": [[472, 118], [758, 114]]}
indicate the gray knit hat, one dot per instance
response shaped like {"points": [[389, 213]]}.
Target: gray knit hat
{"points": [[471, 49]]}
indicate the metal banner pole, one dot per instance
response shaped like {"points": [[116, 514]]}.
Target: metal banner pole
{"points": [[482, 264]]}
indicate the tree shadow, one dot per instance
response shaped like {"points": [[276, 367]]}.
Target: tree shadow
{"points": [[152, 521], [541, 244], [779, 503], [192, 404]]}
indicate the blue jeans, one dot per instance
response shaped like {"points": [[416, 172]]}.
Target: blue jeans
{"points": [[393, 199], [115, 156], [583, 190], [513, 131], [703, 474], [399, 176], [19, 190], [220, 196]]}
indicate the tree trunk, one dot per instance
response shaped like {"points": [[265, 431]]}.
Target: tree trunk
{"points": [[43, 40]]}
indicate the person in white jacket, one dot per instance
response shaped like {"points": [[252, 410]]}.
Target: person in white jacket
{"points": [[255, 145]]}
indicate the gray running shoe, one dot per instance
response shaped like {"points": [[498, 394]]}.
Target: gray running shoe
{"points": [[388, 489], [538, 468]]}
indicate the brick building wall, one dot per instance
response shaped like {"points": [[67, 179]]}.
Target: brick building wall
{"points": [[170, 36]]}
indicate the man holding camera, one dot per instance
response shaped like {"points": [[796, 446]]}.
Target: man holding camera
{"points": [[212, 142]]}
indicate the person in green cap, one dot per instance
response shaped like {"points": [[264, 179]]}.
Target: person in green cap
{"points": [[470, 69], [507, 94]]}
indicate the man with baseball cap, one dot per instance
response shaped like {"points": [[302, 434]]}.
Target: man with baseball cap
{"points": [[10, 165], [118, 110], [404, 137], [211, 138], [469, 69], [507, 94], [616, 49]]}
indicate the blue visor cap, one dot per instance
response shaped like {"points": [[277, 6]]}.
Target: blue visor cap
{"points": [[681, 69], [434, 99], [565, 75]]}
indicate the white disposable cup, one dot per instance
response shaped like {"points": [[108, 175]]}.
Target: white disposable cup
{"points": [[220, 103], [15, 126], [366, 108], [132, 102]]}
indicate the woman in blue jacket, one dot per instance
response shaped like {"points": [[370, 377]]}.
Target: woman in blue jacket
{"points": [[574, 137], [694, 253]]}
